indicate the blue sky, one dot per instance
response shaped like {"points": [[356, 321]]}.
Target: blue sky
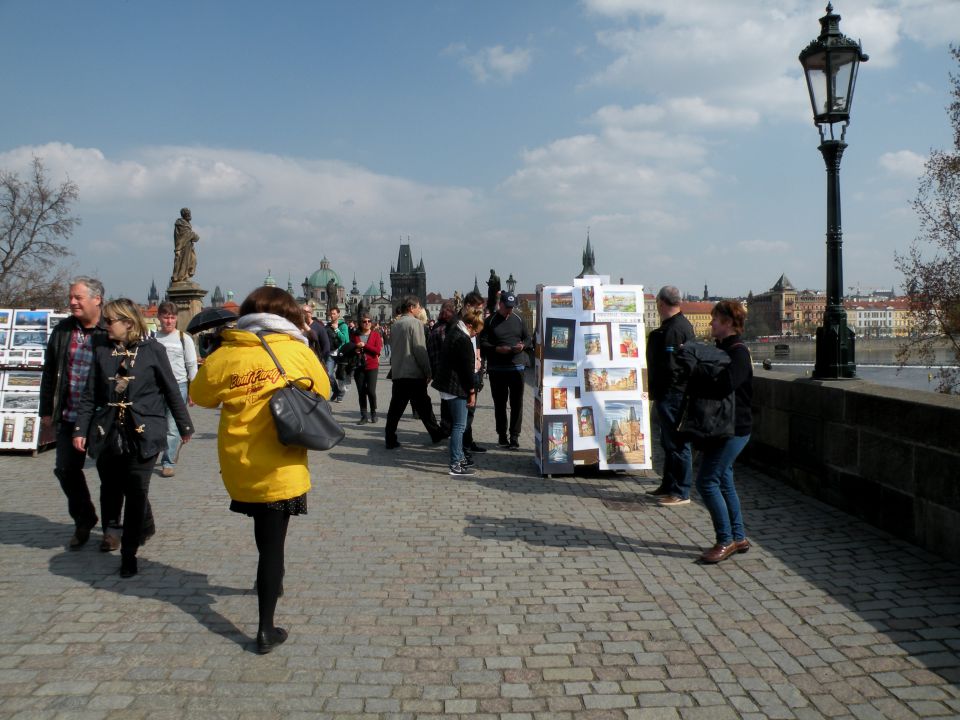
{"points": [[491, 133]]}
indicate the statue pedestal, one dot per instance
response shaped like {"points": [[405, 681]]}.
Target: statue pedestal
{"points": [[188, 297]]}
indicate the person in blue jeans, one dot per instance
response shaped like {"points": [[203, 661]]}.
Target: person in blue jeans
{"points": [[454, 381], [715, 478], [182, 354]]}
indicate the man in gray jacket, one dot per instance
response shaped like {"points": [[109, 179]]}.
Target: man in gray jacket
{"points": [[410, 372]]}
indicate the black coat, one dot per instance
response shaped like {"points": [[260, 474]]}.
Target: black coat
{"points": [[663, 344], [152, 388], [53, 382], [457, 363]]}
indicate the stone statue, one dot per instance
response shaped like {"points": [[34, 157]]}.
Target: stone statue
{"points": [[493, 291], [184, 254], [457, 300], [332, 295]]}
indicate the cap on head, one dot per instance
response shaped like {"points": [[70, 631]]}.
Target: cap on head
{"points": [[509, 300]]}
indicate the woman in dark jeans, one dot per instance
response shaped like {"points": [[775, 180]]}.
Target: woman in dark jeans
{"points": [[121, 419], [367, 344], [715, 478]]}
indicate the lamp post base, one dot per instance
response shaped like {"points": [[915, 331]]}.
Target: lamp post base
{"points": [[835, 349]]}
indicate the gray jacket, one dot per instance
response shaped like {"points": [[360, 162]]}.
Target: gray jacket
{"points": [[408, 350]]}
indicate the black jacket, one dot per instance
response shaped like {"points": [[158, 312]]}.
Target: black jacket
{"points": [[53, 383], [456, 364], [662, 346], [499, 330], [151, 390]]}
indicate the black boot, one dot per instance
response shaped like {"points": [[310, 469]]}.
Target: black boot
{"points": [[128, 566], [267, 640], [363, 419]]}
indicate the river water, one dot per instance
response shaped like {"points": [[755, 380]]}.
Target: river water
{"points": [[913, 377]]}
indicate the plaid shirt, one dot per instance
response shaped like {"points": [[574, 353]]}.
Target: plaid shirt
{"points": [[80, 360], [435, 345]]}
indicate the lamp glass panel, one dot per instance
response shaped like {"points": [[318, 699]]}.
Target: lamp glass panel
{"points": [[841, 83], [816, 69]]}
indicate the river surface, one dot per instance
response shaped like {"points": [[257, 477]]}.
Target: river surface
{"points": [[912, 377]]}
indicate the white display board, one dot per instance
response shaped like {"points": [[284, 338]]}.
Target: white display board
{"points": [[23, 342], [591, 406]]}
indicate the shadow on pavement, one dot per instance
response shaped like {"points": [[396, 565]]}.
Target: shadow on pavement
{"points": [[191, 592], [536, 532]]}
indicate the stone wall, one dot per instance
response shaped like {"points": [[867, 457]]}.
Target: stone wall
{"points": [[888, 456]]}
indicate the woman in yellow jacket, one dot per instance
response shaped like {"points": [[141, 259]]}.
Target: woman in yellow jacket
{"points": [[266, 480]]}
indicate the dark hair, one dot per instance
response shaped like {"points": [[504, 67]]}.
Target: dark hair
{"points": [[733, 310], [408, 302], [332, 308], [474, 298], [166, 308], [275, 301]]}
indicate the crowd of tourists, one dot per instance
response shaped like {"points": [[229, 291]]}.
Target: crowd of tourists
{"points": [[116, 391]]}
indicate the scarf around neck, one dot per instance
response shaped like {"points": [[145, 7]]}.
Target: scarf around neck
{"points": [[268, 322]]}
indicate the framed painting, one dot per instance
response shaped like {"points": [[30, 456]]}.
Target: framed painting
{"points": [[595, 341], [5, 316], [559, 336], [556, 442], [558, 398], [586, 425], [588, 298], [30, 318], [29, 338], [625, 443], [628, 341], [610, 379]]}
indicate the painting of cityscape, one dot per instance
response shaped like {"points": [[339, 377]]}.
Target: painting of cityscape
{"points": [[625, 302], [628, 341], [563, 369], [610, 379], [585, 422], [561, 301], [559, 335], [588, 297], [624, 441], [557, 442]]}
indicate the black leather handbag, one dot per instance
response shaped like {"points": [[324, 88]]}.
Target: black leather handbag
{"points": [[302, 416]]}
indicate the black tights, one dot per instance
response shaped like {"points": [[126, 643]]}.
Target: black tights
{"points": [[270, 531]]}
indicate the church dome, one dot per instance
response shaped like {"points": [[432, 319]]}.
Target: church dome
{"points": [[372, 291], [323, 276]]}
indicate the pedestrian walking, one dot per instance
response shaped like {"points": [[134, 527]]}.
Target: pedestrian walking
{"points": [[266, 480], [182, 354]]}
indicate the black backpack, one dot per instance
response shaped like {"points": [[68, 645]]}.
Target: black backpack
{"points": [[707, 411], [334, 340]]}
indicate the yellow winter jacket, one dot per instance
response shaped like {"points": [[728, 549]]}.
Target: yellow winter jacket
{"points": [[240, 375]]}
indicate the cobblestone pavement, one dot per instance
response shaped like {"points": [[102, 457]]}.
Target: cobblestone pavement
{"points": [[413, 594]]}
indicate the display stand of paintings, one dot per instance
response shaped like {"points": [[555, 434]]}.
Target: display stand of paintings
{"points": [[23, 342], [591, 407]]}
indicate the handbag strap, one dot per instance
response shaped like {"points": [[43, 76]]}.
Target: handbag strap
{"points": [[283, 373]]}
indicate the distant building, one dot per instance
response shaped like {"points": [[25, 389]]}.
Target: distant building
{"points": [[651, 318], [879, 318], [407, 279], [588, 260], [773, 312], [698, 313], [324, 288]]}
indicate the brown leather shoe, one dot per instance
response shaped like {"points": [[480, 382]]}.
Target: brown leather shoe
{"points": [[718, 552], [110, 543], [81, 535], [742, 545]]}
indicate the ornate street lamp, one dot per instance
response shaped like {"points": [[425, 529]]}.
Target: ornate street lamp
{"points": [[830, 63], [511, 284]]}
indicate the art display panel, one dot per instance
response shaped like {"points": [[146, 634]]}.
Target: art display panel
{"points": [[559, 339]]}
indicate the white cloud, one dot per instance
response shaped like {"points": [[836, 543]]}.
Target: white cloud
{"points": [[495, 63], [903, 163]]}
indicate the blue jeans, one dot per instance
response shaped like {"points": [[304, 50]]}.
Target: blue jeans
{"points": [[335, 389], [715, 483], [458, 420], [677, 456], [169, 458]]}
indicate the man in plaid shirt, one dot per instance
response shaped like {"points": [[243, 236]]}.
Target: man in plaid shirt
{"points": [[66, 366]]}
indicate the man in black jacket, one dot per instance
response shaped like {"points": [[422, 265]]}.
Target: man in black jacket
{"points": [[66, 367], [666, 391], [505, 342]]}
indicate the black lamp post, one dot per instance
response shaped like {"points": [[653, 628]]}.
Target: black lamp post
{"points": [[830, 63]]}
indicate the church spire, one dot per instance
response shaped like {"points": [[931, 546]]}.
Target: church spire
{"points": [[588, 259]]}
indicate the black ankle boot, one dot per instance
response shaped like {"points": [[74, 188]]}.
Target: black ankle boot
{"points": [[267, 640], [128, 566]]}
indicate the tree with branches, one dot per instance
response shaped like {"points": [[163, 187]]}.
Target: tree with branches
{"points": [[35, 225], [931, 268]]}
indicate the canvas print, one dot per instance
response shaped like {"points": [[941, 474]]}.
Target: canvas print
{"points": [[557, 441], [34, 357], [559, 336], [628, 341], [29, 339], [54, 318], [623, 301], [610, 379], [9, 427], [588, 297], [561, 300], [30, 318], [21, 401], [558, 398], [4, 337], [596, 340], [5, 316], [563, 369], [28, 430], [624, 441], [585, 423], [22, 380]]}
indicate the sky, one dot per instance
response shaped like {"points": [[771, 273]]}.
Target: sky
{"points": [[487, 134]]}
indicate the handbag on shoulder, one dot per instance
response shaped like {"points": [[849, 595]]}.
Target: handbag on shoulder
{"points": [[302, 416]]}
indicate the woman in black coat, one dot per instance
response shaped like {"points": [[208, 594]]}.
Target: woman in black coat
{"points": [[454, 380], [121, 419]]}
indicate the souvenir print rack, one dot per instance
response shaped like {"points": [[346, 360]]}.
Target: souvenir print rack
{"points": [[591, 407], [23, 342]]}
